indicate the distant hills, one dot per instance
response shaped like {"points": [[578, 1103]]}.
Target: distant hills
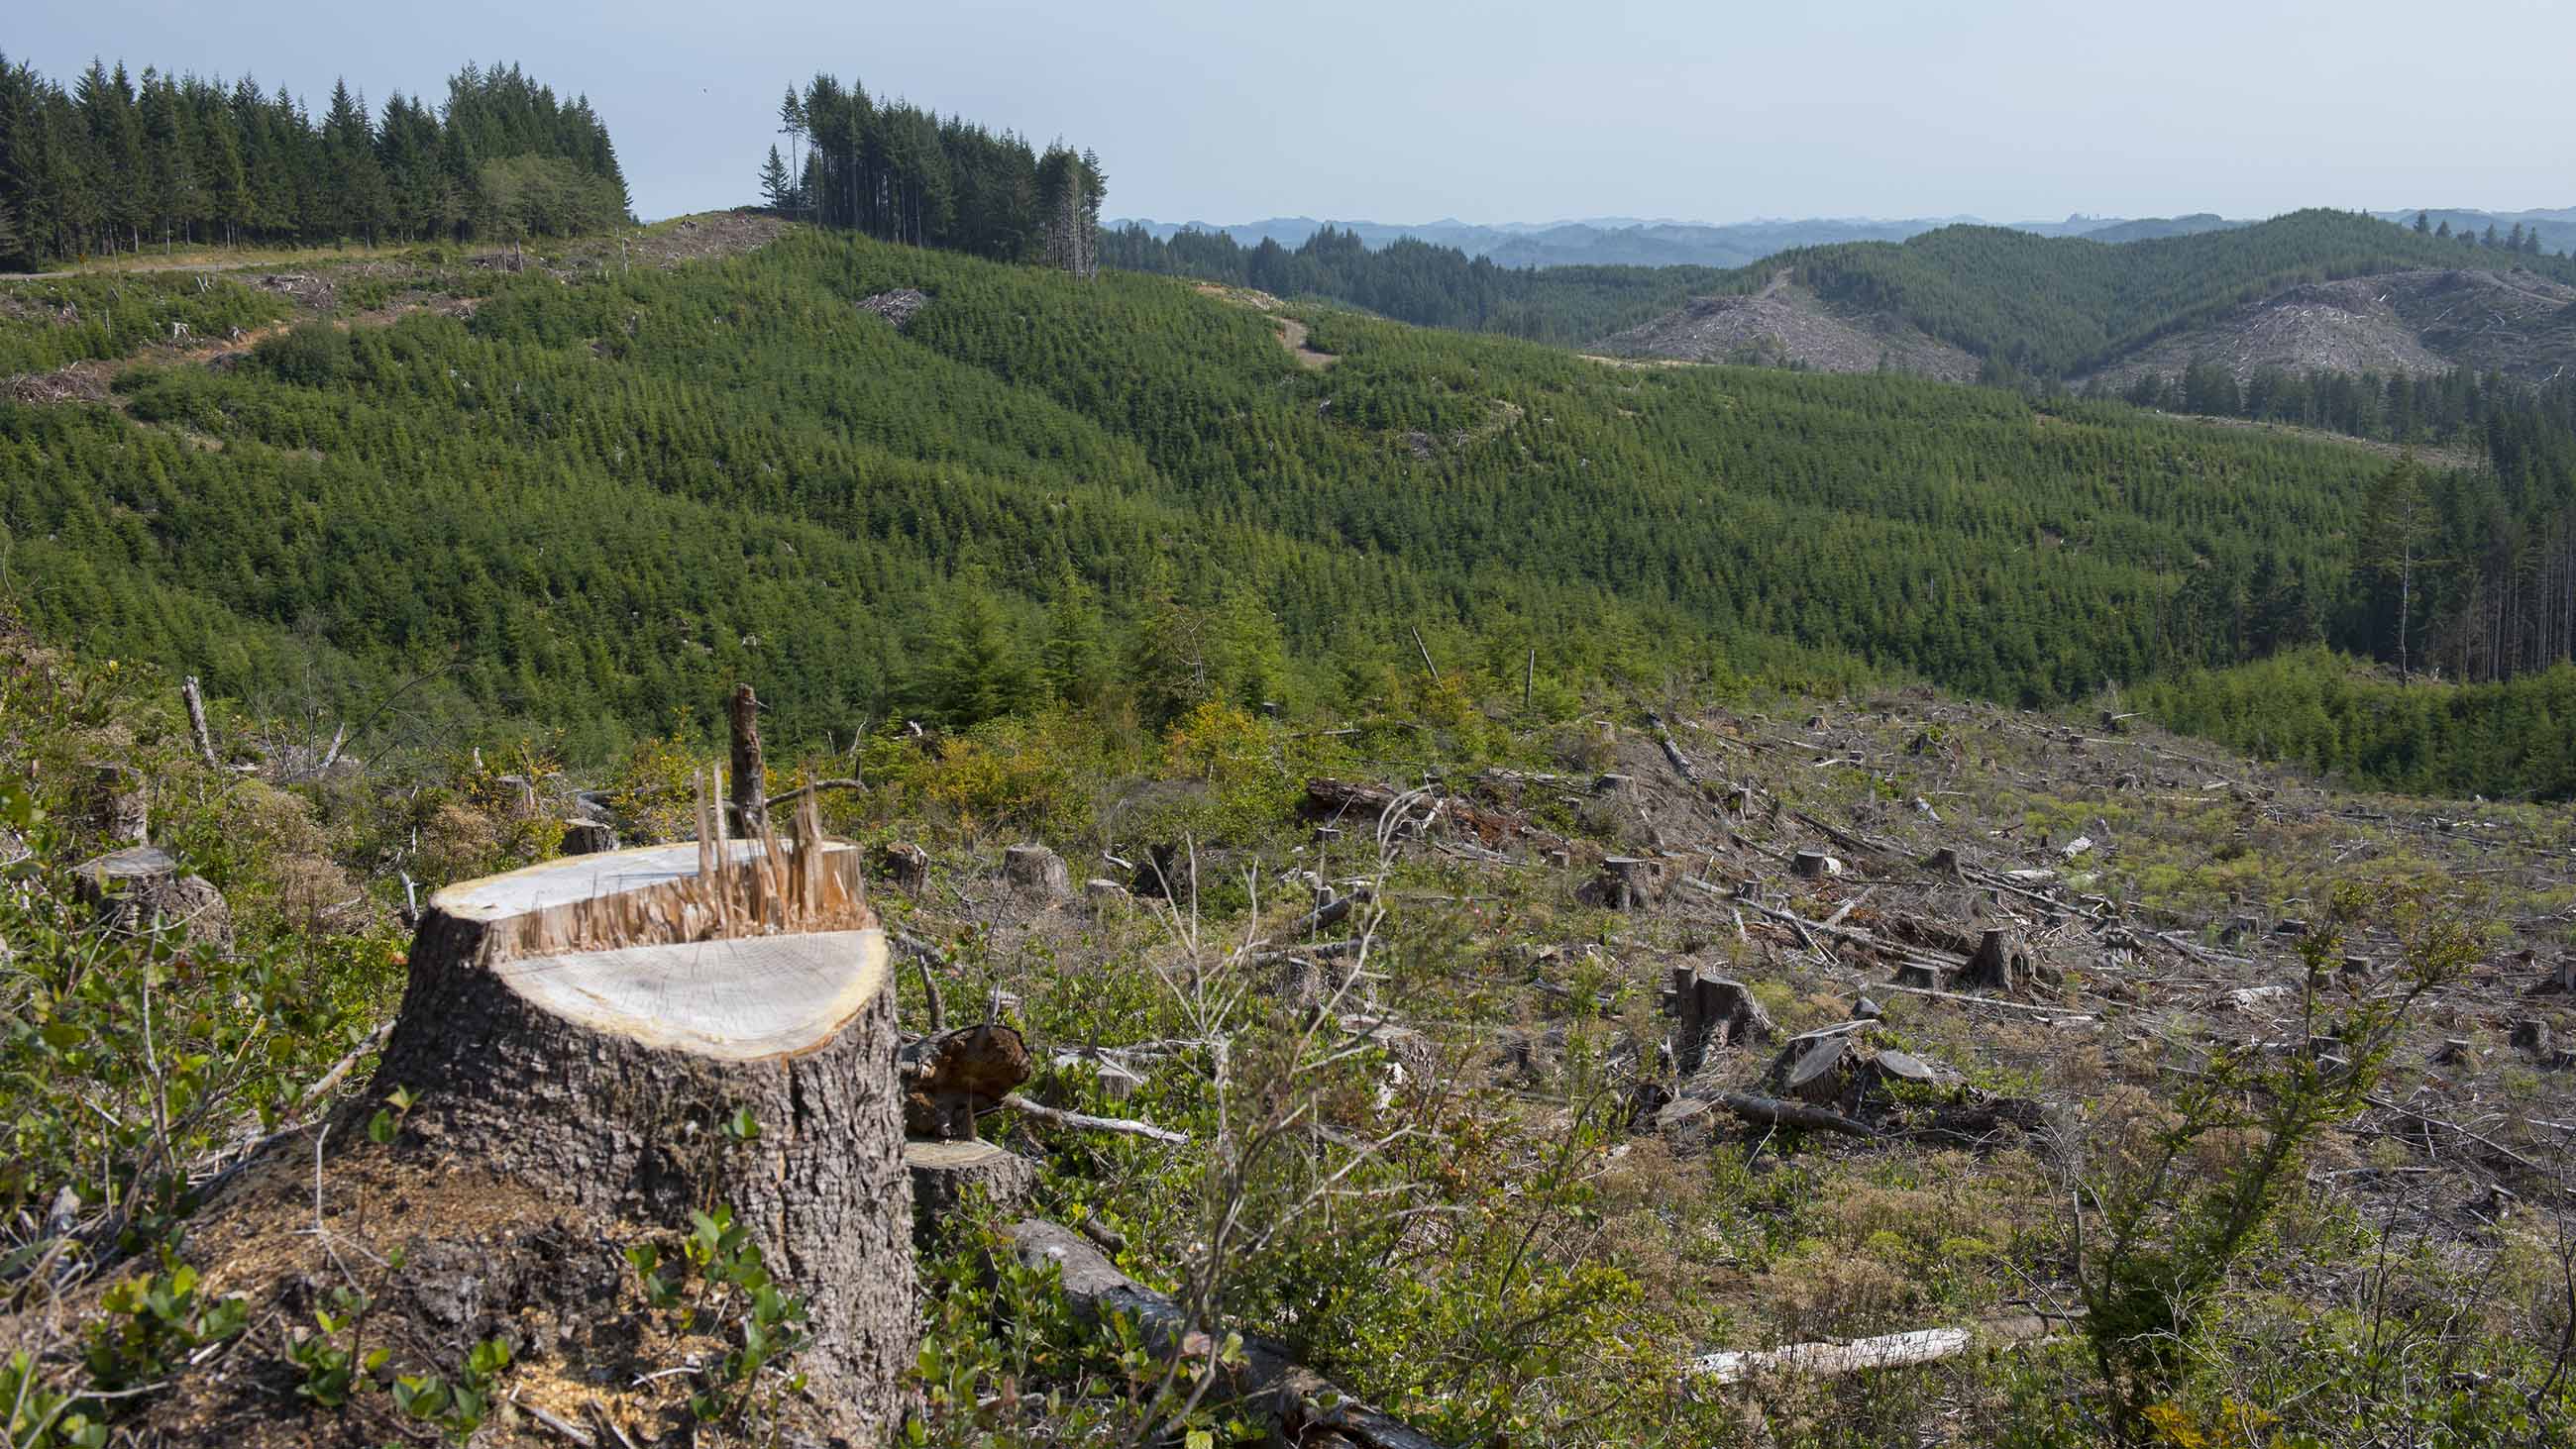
{"points": [[1627, 241], [1638, 242], [2312, 291]]}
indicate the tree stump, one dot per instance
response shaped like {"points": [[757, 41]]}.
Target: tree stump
{"points": [[1629, 881], [139, 889], [1817, 1075], [120, 804], [1714, 1011], [2532, 1039], [587, 837], [589, 1028], [949, 1076], [945, 1173], [904, 864], [1814, 865], [2001, 963], [1036, 868]]}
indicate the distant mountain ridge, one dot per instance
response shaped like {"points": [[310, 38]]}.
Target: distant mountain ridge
{"points": [[1641, 242], [2313, 291]]}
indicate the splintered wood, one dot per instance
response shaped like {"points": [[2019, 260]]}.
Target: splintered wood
{"points": [[711, 890]]}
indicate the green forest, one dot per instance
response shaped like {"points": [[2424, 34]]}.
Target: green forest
{"points": [[897, 172], [585, 502], [119, 163]]}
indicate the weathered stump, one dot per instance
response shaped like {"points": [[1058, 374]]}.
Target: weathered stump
{"points": [[949, 1076], [120, 804], [904, 864], [587, 837], [139, 889], [1036, 868], [590, 1027], [1713, 1011], [2001, 963], [1628, 882], [1818, 1074], [1814, 865]]}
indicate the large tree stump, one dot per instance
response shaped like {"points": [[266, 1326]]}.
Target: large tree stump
{"points": [[589, 1027]]}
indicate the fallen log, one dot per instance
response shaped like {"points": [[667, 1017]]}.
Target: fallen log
{"points": [[1859, 1355], [1305, 1407], [1776, 1113]]}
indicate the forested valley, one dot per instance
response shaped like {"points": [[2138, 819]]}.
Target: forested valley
{"points": [[118, 162]]}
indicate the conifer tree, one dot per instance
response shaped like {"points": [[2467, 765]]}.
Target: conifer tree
{"points": [[775, 188]]}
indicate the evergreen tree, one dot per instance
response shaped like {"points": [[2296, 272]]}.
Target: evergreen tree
{"points": [[1076, 658], [775, 188], [981, 673]]}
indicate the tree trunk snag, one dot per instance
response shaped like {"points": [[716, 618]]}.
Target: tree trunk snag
{"points": [[750, 776], [195, 699], [588, 1028], [1306, 1409]]}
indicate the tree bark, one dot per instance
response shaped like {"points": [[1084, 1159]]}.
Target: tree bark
{"points": [[591, 1027]]}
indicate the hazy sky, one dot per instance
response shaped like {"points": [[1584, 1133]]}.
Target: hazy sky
{"points": [[1497, 110]]}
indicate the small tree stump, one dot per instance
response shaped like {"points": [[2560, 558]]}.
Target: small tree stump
{"points": [[120, 804], [905, 865], [1628, 882], [1103, 893], [586, 837], [139, 889], [1814, 865], [945, 1173], [590, 1028], [1817, 1074], [1897, 1066], [1163, 875], [1036, 868], [2532, 1039]]}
